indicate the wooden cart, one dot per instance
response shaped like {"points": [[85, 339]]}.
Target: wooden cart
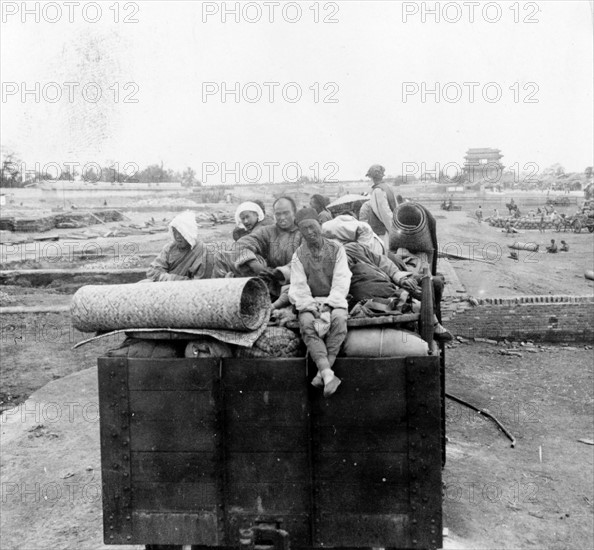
{"points": [[246, 453], [230, 452]]}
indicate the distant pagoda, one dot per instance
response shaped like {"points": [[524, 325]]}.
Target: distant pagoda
{"points": [[483, 163]]}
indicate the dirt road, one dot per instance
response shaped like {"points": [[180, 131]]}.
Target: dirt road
{"points": [[538, 495]]}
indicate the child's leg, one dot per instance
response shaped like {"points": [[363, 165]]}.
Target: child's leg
{"points": [[337, 333], [334, 339], [315, 345]]}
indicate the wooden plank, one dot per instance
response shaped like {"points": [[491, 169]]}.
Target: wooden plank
{"points": [[362, 468], [173, 374], [268, 498], [355, 408], [266, 407], [174, 497], [150, 406], [424, 410], [267, 467], [160, 436], [383, 320], [249, 438], [168, 528], [381, 438], [265, 374], [358, 498], [364, 374], [172, 421], [115, 449], [174, 467], [363, 531]]}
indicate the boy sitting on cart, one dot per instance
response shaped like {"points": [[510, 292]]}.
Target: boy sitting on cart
{"points": [[320, 280]]}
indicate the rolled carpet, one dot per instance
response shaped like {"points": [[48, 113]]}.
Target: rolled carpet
{"points": [[411, 229], [241, 304], [530, 247]]}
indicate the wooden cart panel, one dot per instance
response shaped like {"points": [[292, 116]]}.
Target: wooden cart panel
{"points": [[193, 450]]}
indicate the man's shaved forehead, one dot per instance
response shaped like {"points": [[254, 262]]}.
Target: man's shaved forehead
{"points": [[287, 199]]}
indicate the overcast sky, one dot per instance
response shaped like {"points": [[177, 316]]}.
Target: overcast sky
{"points": [[538, 55]]}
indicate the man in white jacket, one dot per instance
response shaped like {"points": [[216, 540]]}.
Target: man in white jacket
{"points": [[320, 280]]}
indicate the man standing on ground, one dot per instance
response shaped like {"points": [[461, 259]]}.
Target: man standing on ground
{"points": [[479, 214]]}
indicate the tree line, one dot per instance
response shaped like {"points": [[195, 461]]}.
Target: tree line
{"points": [[16, 173]]}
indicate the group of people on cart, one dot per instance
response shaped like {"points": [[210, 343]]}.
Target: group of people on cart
{"points": [[316, 263]]}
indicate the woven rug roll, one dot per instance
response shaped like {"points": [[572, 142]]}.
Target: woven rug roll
{"points": [[410, 229], [232, 304], [531, 247]]}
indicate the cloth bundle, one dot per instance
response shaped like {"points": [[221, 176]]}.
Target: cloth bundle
{"points": [[241, 304], [347, 229], [274, 342], [137, 348], [383, 342], [322, 325]]}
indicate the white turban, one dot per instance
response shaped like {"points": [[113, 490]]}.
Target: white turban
{"points": [[186, 225], [248, 207]]}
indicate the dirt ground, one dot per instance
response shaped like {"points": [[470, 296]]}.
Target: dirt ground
{"points": [[537, 495], [535, 273]]}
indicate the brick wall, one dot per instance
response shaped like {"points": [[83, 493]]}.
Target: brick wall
{"points": [[538, 318]]}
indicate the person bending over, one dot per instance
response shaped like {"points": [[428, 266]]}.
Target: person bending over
{"points": [[271, 247], [267, 251], [320, 280], [552, 248]]}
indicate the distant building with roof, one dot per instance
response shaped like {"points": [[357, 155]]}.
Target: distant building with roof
{"points": [[483, 164]]}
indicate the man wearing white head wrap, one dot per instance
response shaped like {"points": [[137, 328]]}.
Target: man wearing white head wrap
{"points": [[244, 215], [184, 258], [248, 216]]}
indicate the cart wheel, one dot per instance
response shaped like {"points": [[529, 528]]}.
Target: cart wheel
{"points": [[577, 226], [591, 228]]}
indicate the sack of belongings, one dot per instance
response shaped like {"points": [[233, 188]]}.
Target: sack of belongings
{"points": [[383, 342], [274, 342], [153, 349], [207, 347]]}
